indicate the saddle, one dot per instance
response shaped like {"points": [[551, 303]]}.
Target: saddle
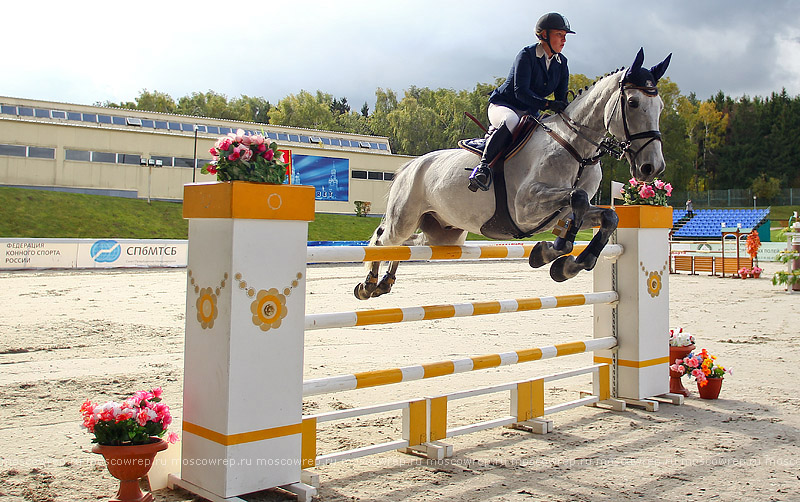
{"points": [[501, 225]]}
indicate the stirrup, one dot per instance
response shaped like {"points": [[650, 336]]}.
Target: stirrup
{"points": [[475, 183]]}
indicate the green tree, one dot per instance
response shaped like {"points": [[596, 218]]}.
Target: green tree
{"points": [[766, 187], [305, 110]]}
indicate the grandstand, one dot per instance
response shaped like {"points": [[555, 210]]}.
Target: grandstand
{"points": [[708, 223]]}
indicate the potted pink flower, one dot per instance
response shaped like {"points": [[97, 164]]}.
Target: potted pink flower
{"points": [[705, 369], [644, 193], [244, 157], [128, 435]]}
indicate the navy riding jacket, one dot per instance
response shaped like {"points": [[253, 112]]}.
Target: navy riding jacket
{"points": [[529, 82]]}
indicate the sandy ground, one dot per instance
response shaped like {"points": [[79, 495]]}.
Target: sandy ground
{"points": [[68, 336]]}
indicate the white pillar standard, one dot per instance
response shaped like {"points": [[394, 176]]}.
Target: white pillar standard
{"points": [[640, 320], [245, 314]]}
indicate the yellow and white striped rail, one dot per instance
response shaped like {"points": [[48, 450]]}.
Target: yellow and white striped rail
{"points": [[338, 254], [418, 372], [406, 314]]}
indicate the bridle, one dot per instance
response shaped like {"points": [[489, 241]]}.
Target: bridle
{"points": [[609, 145]]}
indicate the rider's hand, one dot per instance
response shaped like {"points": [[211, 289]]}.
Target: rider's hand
{"points": [[555, 105]]}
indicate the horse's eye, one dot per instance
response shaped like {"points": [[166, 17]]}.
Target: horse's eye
{"points": [[633, 102]]}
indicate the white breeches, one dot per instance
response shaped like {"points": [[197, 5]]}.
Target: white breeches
{"points": [[499, 114]]}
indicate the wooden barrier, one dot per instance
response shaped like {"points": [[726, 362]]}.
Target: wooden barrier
{"points": [[245, 324]]}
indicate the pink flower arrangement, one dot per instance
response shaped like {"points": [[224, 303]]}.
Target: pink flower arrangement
{"points": [[643, 193], [239, 156], [700, 366], [137, 420]]}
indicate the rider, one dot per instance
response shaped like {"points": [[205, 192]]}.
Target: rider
{"points": [[538, 71]]}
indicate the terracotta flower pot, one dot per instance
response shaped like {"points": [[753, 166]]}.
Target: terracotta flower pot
{"points": [[711, 389], [128, 464], [756, 275], [675, 384]]}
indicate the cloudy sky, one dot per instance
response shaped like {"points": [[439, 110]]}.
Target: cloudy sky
{"points": [[88, 51]]}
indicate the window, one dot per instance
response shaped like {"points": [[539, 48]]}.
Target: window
{"points": [[58, 114], [187, 127], [388, 176], [283, 136], [165, 161], [13, 150], [41, 153], [272, 135], [160, 124], [305, 139], [363, 144], [104, 119], [375, 175], [80, 155], [148, 123], [325, 141], [334, 142], [133, 121], [89, 117], [42, 114], [373, 145], [224, 130], [109, 158], [73, 115], [183, 162], [174, 126], [24, 111], [212, 129], [201, 128], [294, 137], [359, 175], [8, 110], [119, 121], [129, 158], [382, 146]]}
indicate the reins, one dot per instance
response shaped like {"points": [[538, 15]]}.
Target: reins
{"points": [[608, 145]]}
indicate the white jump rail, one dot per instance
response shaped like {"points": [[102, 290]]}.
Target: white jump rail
{"points": [[365, 379], [429, 312], [345, 254]]}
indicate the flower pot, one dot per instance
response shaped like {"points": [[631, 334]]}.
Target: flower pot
{"points": [[756, 275], [128, 464], [675, 384], [743, 276], [711, 389]]}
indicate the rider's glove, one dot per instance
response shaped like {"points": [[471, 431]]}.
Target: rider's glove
{"points": [[555, 105]]}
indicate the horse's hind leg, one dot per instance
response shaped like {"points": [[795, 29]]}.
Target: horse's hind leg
{"points": [[364, 290], [387, 281], [567, 267], [544, 252]]}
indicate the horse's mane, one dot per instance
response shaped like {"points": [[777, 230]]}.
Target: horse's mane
{"points": [[583, 92]]}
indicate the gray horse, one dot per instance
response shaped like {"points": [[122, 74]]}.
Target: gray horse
{"points": [[552, 177]]}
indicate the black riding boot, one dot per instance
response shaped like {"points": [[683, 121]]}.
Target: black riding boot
{"points": [[481, 176]]}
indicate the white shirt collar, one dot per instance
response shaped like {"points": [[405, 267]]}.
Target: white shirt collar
{"points": [[540, 53]]}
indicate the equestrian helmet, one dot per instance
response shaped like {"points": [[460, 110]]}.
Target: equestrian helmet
{"points": [[552, 21]]}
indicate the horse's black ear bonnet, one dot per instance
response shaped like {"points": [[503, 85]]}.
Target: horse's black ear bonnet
{"points": [[642, 78]]}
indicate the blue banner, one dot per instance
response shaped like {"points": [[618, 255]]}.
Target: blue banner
{"points": [[329, 176]]}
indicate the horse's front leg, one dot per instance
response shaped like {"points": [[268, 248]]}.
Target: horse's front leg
{"points": [[578, 200], [567, 267], [364, 290]]}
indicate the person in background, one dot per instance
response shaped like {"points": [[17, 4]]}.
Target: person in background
{"points": [[689, 208], [538, 71]]}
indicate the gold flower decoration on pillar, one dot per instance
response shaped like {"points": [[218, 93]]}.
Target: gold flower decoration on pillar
{"points": [[654, 279], [269, 306], [206, 301]]}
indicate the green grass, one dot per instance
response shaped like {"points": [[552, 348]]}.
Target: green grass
{"points": [[41, 213]]}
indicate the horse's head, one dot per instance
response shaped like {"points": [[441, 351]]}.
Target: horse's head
{"points": [[633, 118]]}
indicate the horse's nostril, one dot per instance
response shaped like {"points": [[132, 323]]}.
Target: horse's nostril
{"points": [[647, 169]]}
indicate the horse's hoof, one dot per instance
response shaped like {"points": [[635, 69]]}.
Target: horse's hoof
{"points": [[363, 293], [563, 269], [537, 259]]}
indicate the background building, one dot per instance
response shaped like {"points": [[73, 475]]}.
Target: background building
{"points": [[134, 153]]}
